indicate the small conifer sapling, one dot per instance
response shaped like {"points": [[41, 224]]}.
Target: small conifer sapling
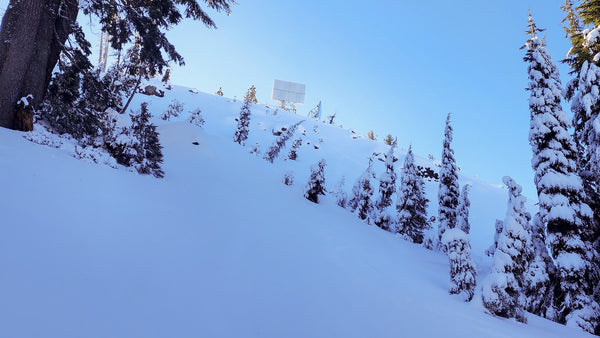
{"points": [[316, 182]]}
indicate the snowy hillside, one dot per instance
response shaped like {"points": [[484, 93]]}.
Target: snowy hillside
{"points": [[220, 247]]}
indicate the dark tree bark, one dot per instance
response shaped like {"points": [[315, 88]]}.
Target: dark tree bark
{"points": [[31, 38]]}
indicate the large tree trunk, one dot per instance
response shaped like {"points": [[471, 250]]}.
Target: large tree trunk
{"points": [[31, 38]]}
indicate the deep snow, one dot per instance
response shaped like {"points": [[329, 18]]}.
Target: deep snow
{"points": [[220, 247]]}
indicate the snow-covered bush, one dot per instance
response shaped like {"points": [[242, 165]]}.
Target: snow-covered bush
{"points": [[195, 118], [341, 197], [175, 108], [42, 136], [95, 155], [255, 149], [288, 178]]}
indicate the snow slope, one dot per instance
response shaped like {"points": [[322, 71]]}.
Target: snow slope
{"points": [[220, 247]]}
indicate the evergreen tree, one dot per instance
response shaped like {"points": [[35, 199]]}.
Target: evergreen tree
{"points": [[28, 59], [390, 141], [315, 113], [316, 182], [567, 218], [293, 154], [166, 79], [341, 198], [148, 150], [330, 118], [462, 215], [540, 275], [411, 203], [448, 191], [498, 225], [582, 90], [463, 274], [243, 127], [578, 53], [387, 188], [80, 104], [219, 92], [273, 151], [251, 95], [361, 203], [371, 135], [503, 293]]}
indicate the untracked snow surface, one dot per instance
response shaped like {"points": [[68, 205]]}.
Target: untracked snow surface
{"points": [[221, 247]]}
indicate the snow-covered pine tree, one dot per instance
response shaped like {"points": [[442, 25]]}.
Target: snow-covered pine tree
{"points": [[567, 218], [361, 203], [498, 225], [463, 274], [316, 182], [273, 151], [462, 215], [315, 113], [293, 154], [540, 275], [251, 95], [387, 188], [584, 59], [341, 198], [503, 293], [411, 203], [387, 181], [80, 103], [448, 191], [149, 151], [498, 229], [243, 127]]}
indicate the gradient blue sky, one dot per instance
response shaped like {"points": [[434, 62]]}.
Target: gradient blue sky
{"points": [[394, 67]]}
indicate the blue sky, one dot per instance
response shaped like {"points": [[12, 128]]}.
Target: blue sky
{"points": [[394, 67]]}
